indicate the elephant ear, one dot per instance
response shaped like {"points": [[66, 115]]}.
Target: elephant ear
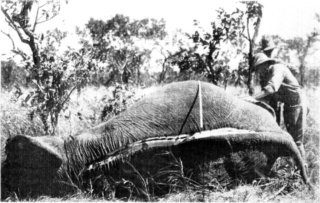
{"points": [[34, 152], [32, 163]]}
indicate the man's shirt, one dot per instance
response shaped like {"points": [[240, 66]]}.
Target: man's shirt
{"points": [[279, 81]]}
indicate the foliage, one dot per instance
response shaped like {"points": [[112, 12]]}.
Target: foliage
{"points": [[124, 45], [253, 18], [122, 98], [211, 53], [45, 71], [7, 68], [55, 81], [172, 49], [211, 58], [302, 47], [18, 16], [293, 52]]}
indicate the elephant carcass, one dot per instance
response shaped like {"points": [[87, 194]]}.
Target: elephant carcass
{"points": [[168, 117]]}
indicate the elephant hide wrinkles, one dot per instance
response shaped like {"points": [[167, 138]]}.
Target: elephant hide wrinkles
{"points": [[161, 115]]}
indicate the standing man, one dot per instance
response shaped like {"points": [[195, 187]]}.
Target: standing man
{"points": [[278, 82], [267, 47]]}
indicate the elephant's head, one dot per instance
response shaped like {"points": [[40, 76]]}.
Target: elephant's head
{"points": [[32, 164]]}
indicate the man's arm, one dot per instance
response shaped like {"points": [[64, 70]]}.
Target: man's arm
{"points": [[273, 84], [262, 95]]}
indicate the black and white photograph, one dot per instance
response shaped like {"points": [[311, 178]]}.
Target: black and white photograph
{"points": [[160, 100]]}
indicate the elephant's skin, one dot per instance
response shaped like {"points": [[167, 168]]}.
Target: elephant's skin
{"points": [[158, 120]]}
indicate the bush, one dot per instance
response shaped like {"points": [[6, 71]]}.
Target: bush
{"points": [[13, 74]]}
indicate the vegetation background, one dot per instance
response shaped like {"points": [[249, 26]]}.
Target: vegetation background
{"points": [[48, 88]]}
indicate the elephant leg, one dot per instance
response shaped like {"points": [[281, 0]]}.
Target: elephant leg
{"points": [[271, 160], [246, 165]]}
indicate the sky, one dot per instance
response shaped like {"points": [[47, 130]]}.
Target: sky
{"points": [[282, 17]]}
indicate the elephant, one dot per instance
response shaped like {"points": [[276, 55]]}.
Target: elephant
{"points": [[189, 115]]}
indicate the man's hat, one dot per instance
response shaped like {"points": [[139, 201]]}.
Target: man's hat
{"points": [[267, 45], [259, 59]]}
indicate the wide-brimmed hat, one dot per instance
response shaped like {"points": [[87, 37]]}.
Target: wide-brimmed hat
{"points": [[267, 45], [259, 59]]}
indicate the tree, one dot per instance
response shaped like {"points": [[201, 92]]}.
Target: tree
{"points": [[253, 15], [17, 15], [124, 45], [58, 77], [207, 56], [172, 49], [231, 34], [212, 51], [53, 81], [302, 48]]}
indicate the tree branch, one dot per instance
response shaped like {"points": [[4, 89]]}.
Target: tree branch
{"points": [[9, 23], [43, 5], [26, 31], [243, 35], [256, 29], [306, 49], [248, 31], [43, 21], [47, 19], [20, 53], [14, 26], [9, 36], [36, 19], [67, 97]]}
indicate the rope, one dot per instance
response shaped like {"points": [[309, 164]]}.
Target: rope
{"points": [[191, 107]]}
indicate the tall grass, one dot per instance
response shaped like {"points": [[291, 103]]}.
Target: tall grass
{"points": [[84, 111], [15, 120]]}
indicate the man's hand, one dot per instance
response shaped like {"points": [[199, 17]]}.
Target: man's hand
{"points": [[249, 99], [261, 95], [260, 103]]}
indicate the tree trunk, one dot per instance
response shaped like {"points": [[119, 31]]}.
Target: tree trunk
{"points": [[250, 55], [302, 75], [138, 77], [125, 76], [209, 62], [163, 72], [250, 60], [35, 53]]}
